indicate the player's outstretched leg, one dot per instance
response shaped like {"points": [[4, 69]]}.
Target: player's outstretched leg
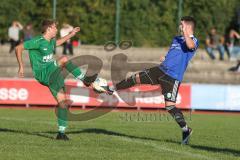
{"points": [[179, 118], [124, 84], [143, 77], [73, 69], [87, 80]]}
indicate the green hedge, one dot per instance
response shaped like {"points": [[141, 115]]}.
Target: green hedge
{"points": [[146, 22]]}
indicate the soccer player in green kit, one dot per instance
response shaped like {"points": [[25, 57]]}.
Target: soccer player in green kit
{"points": [[45, 67]]}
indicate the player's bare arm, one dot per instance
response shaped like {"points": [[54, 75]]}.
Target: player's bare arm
{"points": [[20, 25], [187, 32], [19, 50], [67, 37]]}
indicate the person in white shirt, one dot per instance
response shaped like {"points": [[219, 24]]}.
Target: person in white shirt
{"points": [[66, 29], [13, 34]]}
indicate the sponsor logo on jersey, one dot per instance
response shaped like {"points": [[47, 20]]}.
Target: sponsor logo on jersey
{"points": [[48, 58]]}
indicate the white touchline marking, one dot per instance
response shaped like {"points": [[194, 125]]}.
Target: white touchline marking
{"points": [[164, 148]]}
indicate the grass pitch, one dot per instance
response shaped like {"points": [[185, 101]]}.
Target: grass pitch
{"points": [[27, 134]]}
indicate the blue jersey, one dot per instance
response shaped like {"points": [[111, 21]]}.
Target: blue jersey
{"points": [[177, 58]]}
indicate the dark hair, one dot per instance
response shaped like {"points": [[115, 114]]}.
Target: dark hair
{"points": [[189, 19], [47, 23]]}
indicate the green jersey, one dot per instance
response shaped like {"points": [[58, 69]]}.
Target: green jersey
{"points": [[40, 53], [45, 68]]}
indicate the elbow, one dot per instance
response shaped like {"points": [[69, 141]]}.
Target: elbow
{"points": [[191, 46]]}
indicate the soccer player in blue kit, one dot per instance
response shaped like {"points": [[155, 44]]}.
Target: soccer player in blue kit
{"points": [[169, 73]]}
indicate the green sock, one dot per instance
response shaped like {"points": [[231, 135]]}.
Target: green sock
{"points": [[72, 68], [62, 119]]}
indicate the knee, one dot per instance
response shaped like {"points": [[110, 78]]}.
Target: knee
{"points": [[63, 59], [137, 77], [65, 104], [61, 96], [62, 105], [209, 50], [169, 103], [144, 78]]}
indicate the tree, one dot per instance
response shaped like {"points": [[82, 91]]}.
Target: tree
{"points": [[146, 22]]}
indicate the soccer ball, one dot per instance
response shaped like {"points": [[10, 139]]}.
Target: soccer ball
{"points": [[100, 85]]}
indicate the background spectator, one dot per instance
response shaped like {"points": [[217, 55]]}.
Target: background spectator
{"points": [[66, 29], [13, 34], [28, 32], [214, 41]]}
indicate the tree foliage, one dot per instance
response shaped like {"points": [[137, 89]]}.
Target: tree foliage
{"points": [[145, 22]]}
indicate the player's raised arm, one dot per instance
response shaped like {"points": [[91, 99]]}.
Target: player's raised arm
{"points": [[19, 50], [67, 37], [187, 33]]}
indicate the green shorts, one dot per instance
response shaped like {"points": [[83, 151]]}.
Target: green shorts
{"points": [[51, 77]]}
